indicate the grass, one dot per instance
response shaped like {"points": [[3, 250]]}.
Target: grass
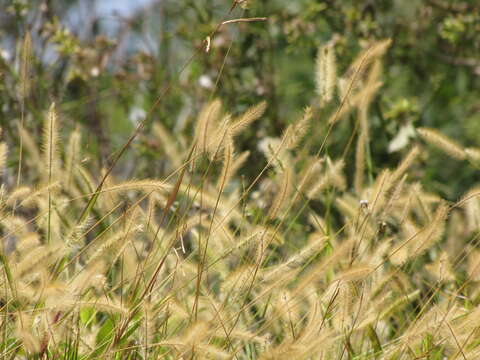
{"points": [[304, 261]]}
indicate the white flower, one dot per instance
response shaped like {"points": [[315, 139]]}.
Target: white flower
{"points": [[137, 115], [206, 82], [5, 55], [95, 71], [402, 138]]}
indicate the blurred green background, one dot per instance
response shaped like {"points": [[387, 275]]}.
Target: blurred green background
{"points": [[106, 62]]}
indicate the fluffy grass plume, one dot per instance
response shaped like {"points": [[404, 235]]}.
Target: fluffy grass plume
{"points": [[296, 131], [24, 91], [3, 156], [442, 142], [50, 143], [25, 66], [326, 73], [352, 89], [249, 116]]}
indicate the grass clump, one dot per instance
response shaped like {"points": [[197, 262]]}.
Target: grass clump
{"points": [[308, 260]]}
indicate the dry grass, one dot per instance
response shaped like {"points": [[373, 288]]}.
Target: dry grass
{"points": [[202, 265]]}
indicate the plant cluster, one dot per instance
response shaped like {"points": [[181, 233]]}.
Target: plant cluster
{"points": [[320, 254]]}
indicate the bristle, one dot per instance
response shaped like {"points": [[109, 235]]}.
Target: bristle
{"points": [[238, 162], [218, 138], [227, 161], [50, 143], [285, 189], [334, 177], [473, 154], [114, 242], [335, 174], [34, 158], [379, 191], [252, 114], [326, 73], [473, 268], [206, 123], [405, 164], [296, 131], [432, 232], [3, 157], [372, 85], [168, 144], [297, 260], [442, 142], [370, 54], [360, 162], [359, 272], [18, 194], [393, 195], [144, 185], [352, 81], [310, 177], [72, 156], [26, 66], [275, 152], [320, 269], [441, 269], [52, 164]]}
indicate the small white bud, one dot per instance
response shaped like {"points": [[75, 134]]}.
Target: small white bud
{"points": [[364, 204], [206, 82]]}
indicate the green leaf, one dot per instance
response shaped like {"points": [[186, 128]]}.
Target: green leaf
{"points": [[104, 337], [87, 315]]}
